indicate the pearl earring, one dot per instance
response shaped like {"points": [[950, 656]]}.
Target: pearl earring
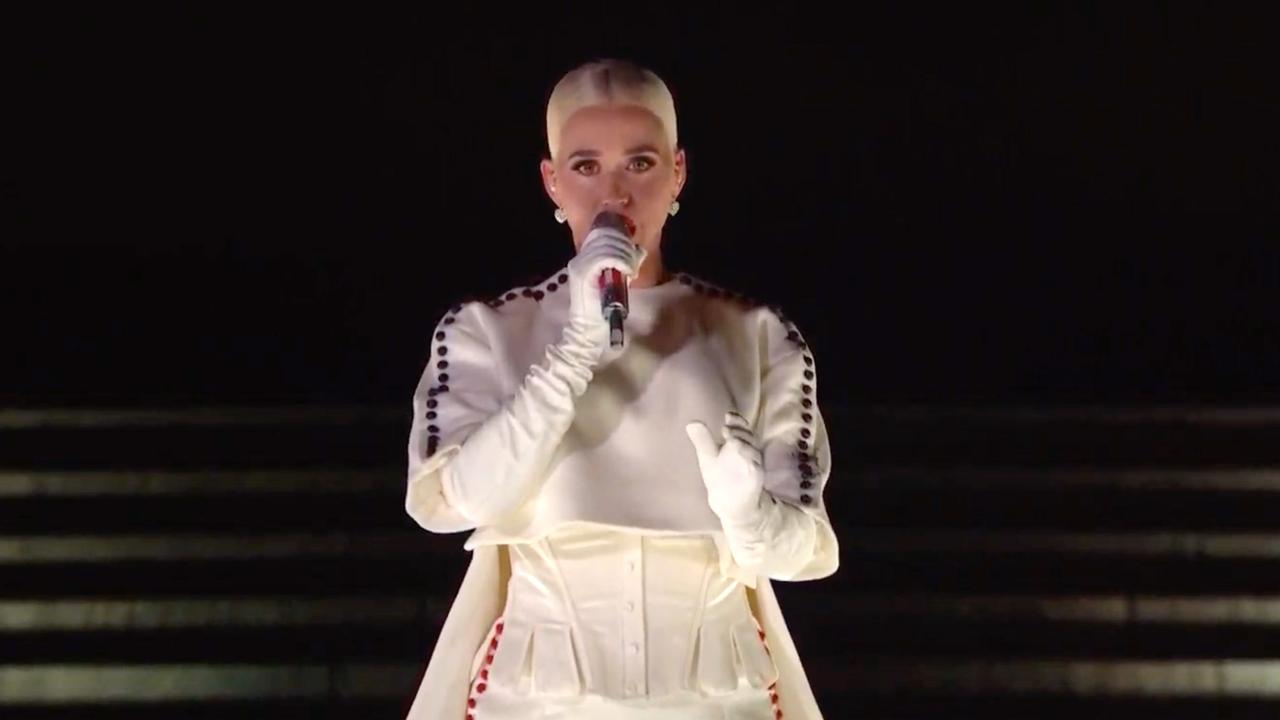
{"points": [[560, 215], [675, 208]]}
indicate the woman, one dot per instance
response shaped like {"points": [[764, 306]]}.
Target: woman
{"points": [[630, 503]]}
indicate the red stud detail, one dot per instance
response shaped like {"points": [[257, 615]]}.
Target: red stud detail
{"points": [[481, 688], [493, 643], [471, 703], [499, 628], [488, 658], [484, 674]]}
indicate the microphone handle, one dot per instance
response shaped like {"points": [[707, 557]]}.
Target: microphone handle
{"points": [[614, 304]]}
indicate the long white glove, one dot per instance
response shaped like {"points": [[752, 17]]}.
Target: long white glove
{"points": [[766, 536], [502, 463]]}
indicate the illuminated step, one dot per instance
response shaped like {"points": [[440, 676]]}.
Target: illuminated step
{"points": [[1265, 479], [115, 548], [200, 416], [1113, 608], [1200, 545], [1185, 679], [107, 549], [49, 684], [1197, 678], [147, 614], [199, 482]]}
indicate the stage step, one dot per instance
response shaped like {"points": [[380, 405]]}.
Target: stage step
{"points": [[995, 563]]}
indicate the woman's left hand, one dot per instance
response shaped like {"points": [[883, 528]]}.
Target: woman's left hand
{"points": [[733, 471]]}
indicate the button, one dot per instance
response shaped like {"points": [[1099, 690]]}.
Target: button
{"points": [[631, 565], [634, 648], [630, 606]]}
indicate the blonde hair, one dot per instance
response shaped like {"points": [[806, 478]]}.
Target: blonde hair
{"points": [[608, 81]]}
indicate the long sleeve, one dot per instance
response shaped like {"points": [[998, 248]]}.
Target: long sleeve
{"points": [[791, 537], [476, 453]]}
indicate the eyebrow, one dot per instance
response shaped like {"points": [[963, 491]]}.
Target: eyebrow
{"points": [[630, 151]]}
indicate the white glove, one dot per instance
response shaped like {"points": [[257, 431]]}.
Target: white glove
{"points": [[733, 472], [605, 248], [765, 536]]}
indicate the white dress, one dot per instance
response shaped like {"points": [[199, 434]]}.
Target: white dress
{"points": [[550, 584]]}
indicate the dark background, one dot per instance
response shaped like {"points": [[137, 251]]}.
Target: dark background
{"points": [[260, 205]]}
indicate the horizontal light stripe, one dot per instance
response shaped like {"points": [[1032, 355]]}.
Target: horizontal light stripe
{"points": [[140, 683], [49, 684], [1101, 414], [1102, 608], [1160, 544], [113, 614], [27, 419], [906, 476], [94, 483], [38, 549], [1176, 678]]}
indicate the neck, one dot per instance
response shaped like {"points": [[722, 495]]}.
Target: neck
{"points": [[652, 272]]}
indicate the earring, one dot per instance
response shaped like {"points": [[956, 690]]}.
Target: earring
{"points": [[560, 215], [675, 208]]}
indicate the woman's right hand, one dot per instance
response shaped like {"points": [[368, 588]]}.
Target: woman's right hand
{"points": [[605, 248]]}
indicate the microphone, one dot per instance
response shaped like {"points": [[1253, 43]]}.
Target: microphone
{"points": [[614, 304]]}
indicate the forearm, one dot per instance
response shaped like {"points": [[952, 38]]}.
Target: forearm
{"points": [[503, 461]]}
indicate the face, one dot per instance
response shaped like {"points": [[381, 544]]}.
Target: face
{"points": [[615, 157]]}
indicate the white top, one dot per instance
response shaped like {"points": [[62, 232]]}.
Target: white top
{"points": [[694, 351]]}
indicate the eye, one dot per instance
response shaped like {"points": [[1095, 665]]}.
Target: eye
{"points": [[585, 167], [642, 164]]}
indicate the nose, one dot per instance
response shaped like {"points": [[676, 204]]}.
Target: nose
{"points": [[617, 196]]}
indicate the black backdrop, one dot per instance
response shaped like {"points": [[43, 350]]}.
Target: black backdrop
{"points": [[275, 205]]}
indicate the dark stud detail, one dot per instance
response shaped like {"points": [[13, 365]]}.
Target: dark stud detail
{"points": [[538, 295], [802, 457], [551, 287], [444, 377], [806, 417], [432, 392], [563, 278], [442, 364], [433, 403], [448, 321], [497, 303], [802, 445], [433, 429], [806, 499], [793, 335], [442, 351], [808, 361], [527, 292], [444, 388], [808, 374], [805, 484], [455, 309], [806, 389], [510, 296], [806, 468], [431, 414], [805, 433], [440, 335], [807, 403]]}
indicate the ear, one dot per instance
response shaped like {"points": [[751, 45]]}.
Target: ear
{"points": [[682, 169], [548, 171]]}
